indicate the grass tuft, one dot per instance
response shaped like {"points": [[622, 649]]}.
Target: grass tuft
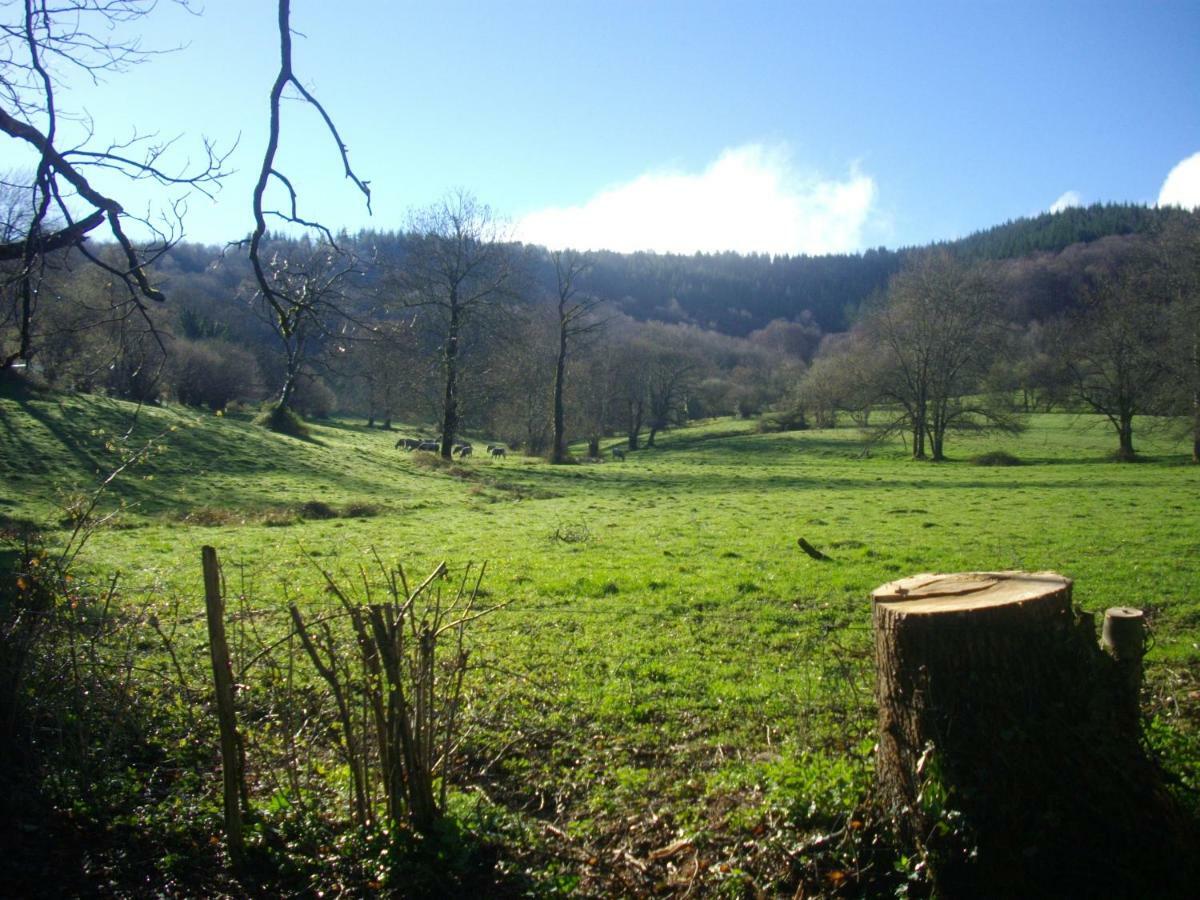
{"points": [[996, 458], [282, 420], [280, 518], [212, 516], [314, 510]]}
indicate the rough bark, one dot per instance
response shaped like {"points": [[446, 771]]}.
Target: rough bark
{"points": [[1196, 400], [560, 368], [1004, 754], [450, 367], [1125, 451], [633, 432]]}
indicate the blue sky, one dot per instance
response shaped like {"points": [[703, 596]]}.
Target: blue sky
{"points": [[777, 127]]}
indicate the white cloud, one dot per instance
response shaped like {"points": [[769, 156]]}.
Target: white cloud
{"points": [[751, 199], [1067, 200], [1182, 187]]}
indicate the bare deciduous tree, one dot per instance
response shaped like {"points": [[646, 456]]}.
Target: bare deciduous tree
{"points": [[461, 271], [672, 369], [39, 46], [936, 334], [1116, 349], [575, 320], [309, 284], [594, 393], [297, 295], [1178, 265], [386, 363]]}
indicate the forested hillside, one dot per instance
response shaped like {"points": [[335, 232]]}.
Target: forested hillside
{"points": [[736, 295], [1052, 232]]}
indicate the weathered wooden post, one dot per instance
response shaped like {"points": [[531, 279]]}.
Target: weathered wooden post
{"points": [[231, 758], [1001, 753]]}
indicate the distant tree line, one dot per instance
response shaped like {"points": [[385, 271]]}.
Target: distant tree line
{"points": [[1054, 232], [450, 324], [1111, 327]]}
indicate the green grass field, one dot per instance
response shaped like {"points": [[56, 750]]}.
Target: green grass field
{"points": [[670, 664]]}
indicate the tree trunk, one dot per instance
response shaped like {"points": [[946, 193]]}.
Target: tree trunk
{"points": [[1196, 423], [560, 451], [635, 424], [1005, 751], [937, 440], [1196, 398], [293, 348], [26, 314], [450, 365], [918, 429], [1125, 450]]}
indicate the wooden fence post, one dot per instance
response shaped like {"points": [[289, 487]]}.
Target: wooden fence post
{"points": [[231, 758]]}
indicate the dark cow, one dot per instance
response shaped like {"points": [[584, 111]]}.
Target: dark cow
{"points": [[496, 451], [408, 443], [430, 446], [465, 451]]}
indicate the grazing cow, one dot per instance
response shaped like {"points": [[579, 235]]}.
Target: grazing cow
{"points": [[407, 443], [496, 451], [431, 446], [462, 448], [618, 453], [465, 451]]}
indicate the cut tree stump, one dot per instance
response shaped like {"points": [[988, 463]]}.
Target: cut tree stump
{"points": [[1005, 754]]}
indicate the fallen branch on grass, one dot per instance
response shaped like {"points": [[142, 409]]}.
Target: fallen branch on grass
{"points": [[811, 550]]}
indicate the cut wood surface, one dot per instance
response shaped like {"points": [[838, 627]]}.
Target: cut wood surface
{"points": [[933, 594], [1124, 633]]}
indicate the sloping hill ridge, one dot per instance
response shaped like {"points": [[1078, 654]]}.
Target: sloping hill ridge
{"points": [[57, 448]]}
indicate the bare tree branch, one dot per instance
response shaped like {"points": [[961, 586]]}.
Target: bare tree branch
{"points": [[47, 243], [298, 299], [81, 35]]}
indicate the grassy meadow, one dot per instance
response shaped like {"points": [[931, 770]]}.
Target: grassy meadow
{"points": [[670, 670]]}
